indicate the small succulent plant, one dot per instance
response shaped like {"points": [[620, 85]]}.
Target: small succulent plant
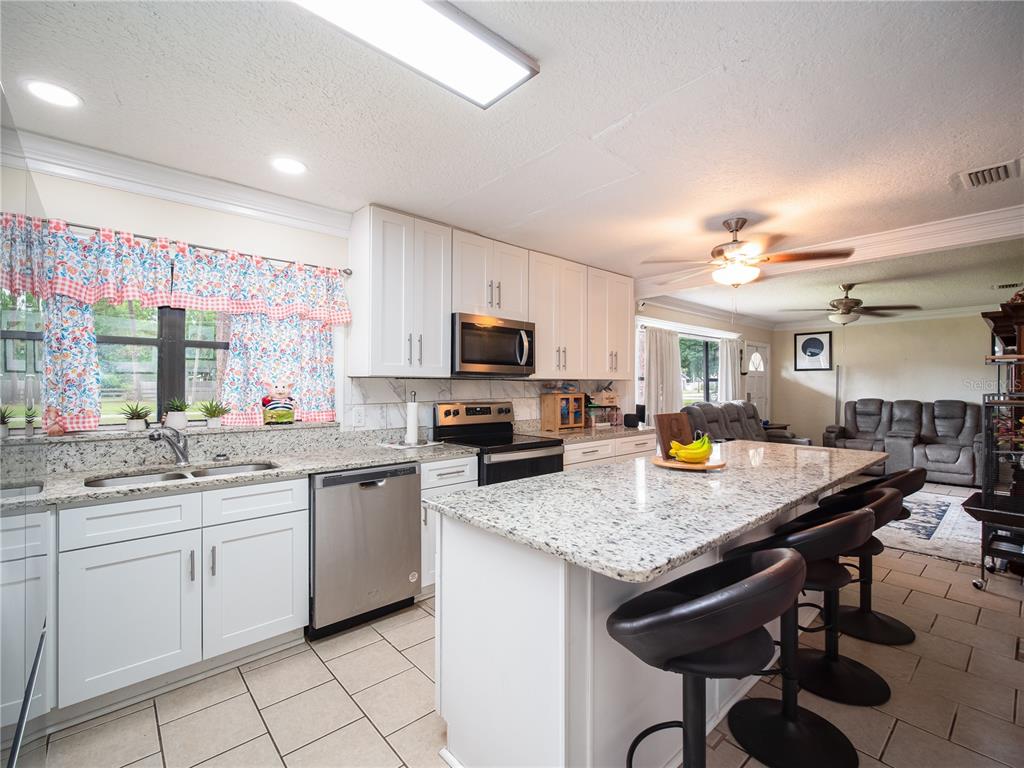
{"points": [[176, 405], [136, 411], [6, 414], [213, 409]]}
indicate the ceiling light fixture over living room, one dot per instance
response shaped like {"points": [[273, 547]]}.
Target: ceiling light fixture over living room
{"points": [[735, 273], [437, 40]]}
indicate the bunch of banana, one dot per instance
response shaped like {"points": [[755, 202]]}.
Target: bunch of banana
{"points": [[696, 452]]}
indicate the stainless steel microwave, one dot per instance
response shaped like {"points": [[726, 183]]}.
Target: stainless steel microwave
{"points": [[491, 346]]}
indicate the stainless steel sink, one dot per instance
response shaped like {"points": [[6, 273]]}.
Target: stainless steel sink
{"points": [[231, 469], [159, 477], [14, 491]]}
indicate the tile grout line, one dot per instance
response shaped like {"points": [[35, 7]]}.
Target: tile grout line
{"points": [[248, 741], [50, 736], [202, 709], [259, 711]]}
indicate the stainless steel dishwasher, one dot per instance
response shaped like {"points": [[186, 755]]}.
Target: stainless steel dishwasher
{"points": [[366, 542]]}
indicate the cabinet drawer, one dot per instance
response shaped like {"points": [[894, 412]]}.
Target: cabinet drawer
{"points": [[440, 473], [574, 454], [645, 444], [25, 535], [244, 502], [127, 520]]}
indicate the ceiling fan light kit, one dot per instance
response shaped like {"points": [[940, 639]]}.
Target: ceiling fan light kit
{"points": [[841, 318], [735, 273]]}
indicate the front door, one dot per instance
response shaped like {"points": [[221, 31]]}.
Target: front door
{"points": [[757, 377]]}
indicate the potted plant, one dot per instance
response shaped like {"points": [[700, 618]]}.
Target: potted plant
{"points": [[176, 417], [6, 414], [31, 414], [213, 410], [136, 415]]}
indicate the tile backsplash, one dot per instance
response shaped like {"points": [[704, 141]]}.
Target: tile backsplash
{"points": [[375, 403]]}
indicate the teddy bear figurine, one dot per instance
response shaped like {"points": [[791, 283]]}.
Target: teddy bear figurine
{"points": [[278, 404]]}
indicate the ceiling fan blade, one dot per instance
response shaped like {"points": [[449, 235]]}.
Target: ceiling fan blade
{"points": [[807, 310], [675, 261], [873, 313], [676, 277], [886, 307], [779, 258]]}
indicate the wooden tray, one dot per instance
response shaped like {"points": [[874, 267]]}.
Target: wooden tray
{"points": [[673, 464]]}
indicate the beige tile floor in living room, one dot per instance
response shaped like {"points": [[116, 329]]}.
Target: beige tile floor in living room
{"points": [[366, 698]]}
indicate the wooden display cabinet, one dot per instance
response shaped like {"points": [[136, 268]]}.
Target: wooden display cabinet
{"points": [[562, 411]]}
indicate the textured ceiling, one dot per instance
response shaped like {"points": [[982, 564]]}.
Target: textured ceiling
{"points": [[934, 281], [648, 123]]}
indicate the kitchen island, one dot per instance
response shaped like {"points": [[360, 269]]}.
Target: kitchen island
{"points": [[530, 570]]}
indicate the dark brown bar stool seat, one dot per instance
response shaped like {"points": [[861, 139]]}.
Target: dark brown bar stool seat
{"points": [[709, 623], [782, 734], [863, 621]]}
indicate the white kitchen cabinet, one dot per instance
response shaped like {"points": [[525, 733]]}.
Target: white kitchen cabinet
{"points": [[489, 277], [609, 325], [438, 478], [400, 294], [255, 580], [24, 602], [578, 455], [128, 612], [558, 295]]}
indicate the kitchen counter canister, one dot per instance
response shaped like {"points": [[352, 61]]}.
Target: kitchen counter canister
{"points": [[633, 521], [67, 489]]}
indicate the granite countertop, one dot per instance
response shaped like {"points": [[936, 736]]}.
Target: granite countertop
{"points": [[69, 489], [591, 435], [634, 521]]}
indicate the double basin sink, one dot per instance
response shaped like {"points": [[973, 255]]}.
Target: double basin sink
{"points": [[164, 477]]}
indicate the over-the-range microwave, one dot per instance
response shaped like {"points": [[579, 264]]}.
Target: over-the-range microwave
{"points": [[491, 346]]}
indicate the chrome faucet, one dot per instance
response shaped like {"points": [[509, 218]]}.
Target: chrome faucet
{"points": [[174, 438]]}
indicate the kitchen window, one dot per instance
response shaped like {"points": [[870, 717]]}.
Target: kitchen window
{"points": [[145, 354], [698, 361]]}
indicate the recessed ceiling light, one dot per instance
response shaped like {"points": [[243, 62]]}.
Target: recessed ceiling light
{"points": [[52, 93], [288, 165], [437, 40]]}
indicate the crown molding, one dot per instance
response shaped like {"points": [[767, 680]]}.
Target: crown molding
{"points": [[690, 308], [960, 231], [928, 314], [43, 154]]}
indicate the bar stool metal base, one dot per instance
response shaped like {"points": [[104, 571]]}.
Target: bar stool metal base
{"points": [[841, 679], [808, 741], [874, 627]]}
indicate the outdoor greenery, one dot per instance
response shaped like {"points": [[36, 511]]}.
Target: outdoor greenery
{"points": [[691, 360], [31, 414]]}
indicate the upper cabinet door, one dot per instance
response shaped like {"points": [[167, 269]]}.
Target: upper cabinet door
{"points": [[433, 277], [544, 314], [620, 325], [599, 355], [511, 281], [393, 305], [572, 318], [472, 286]]}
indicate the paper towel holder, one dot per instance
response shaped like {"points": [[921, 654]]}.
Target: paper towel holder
{"points": [[419, 441]]}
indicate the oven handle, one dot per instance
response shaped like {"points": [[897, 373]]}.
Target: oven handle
{"points": [[524, 337], [536, 453]]}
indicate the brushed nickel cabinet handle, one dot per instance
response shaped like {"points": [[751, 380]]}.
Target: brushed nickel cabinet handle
{"points": [[421, 349], [213, 560], [410, 349], [558, 358], [565, 359], [499, 294], [490, 293], [192, 565]]}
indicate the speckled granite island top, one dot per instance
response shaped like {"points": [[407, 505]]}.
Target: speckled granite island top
{"points": [[633, 521], [68, 489]]}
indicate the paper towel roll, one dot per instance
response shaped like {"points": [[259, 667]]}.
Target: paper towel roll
{"points": [[412, 423]]}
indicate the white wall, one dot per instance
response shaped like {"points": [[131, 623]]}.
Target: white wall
{"points": [[84, 203], [927, 360]]}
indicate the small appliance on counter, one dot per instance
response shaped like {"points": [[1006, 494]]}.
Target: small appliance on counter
{"points": [[503, 455]]}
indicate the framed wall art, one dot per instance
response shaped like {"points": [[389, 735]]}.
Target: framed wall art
{"points": [[812, 351]]}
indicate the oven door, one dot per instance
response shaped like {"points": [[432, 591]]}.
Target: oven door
{"points": [[483, 345], [513, 465]]}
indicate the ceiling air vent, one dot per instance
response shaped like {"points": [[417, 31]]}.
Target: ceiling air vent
{"points": [[983, 177], [1007, 286]]}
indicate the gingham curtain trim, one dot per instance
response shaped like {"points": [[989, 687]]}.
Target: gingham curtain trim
{"points": [[255, 418]]}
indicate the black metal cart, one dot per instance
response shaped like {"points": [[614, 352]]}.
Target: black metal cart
{"points": [[1002, 530]]}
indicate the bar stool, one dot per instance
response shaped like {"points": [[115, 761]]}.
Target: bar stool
{"points": [[863, 621], [708, 624], [782, 734]]}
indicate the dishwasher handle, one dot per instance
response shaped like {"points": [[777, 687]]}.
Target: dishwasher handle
{"points": [[365, 477]]}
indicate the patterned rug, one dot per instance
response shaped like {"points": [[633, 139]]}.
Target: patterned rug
{"points": [[937, 526]]}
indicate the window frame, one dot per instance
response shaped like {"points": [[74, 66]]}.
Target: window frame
{"points": [[171, 346]]}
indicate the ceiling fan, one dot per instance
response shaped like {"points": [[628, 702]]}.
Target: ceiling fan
{"points": [[845, 310], [736, 262]]}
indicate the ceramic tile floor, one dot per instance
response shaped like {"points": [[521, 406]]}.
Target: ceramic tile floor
{"points": [[365, 698]]}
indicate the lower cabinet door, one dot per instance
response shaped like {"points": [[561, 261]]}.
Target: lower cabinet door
{"points": [[24, 598], [128, 612], [255, 580], [428, 531]]}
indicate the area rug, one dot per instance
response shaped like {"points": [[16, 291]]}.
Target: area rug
{"points": [[939, 526]]}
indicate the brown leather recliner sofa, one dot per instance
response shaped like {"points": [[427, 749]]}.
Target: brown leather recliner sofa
{"points": [[943, 437]]}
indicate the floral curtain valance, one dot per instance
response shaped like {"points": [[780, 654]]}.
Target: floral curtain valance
{"points": [[282, 316], [45, 258]]}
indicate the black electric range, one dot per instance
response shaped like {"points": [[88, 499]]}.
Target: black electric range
{"points": [[503, 455]]}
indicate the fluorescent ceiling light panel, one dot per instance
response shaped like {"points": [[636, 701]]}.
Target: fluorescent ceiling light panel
{"points": [[435, 39]]}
